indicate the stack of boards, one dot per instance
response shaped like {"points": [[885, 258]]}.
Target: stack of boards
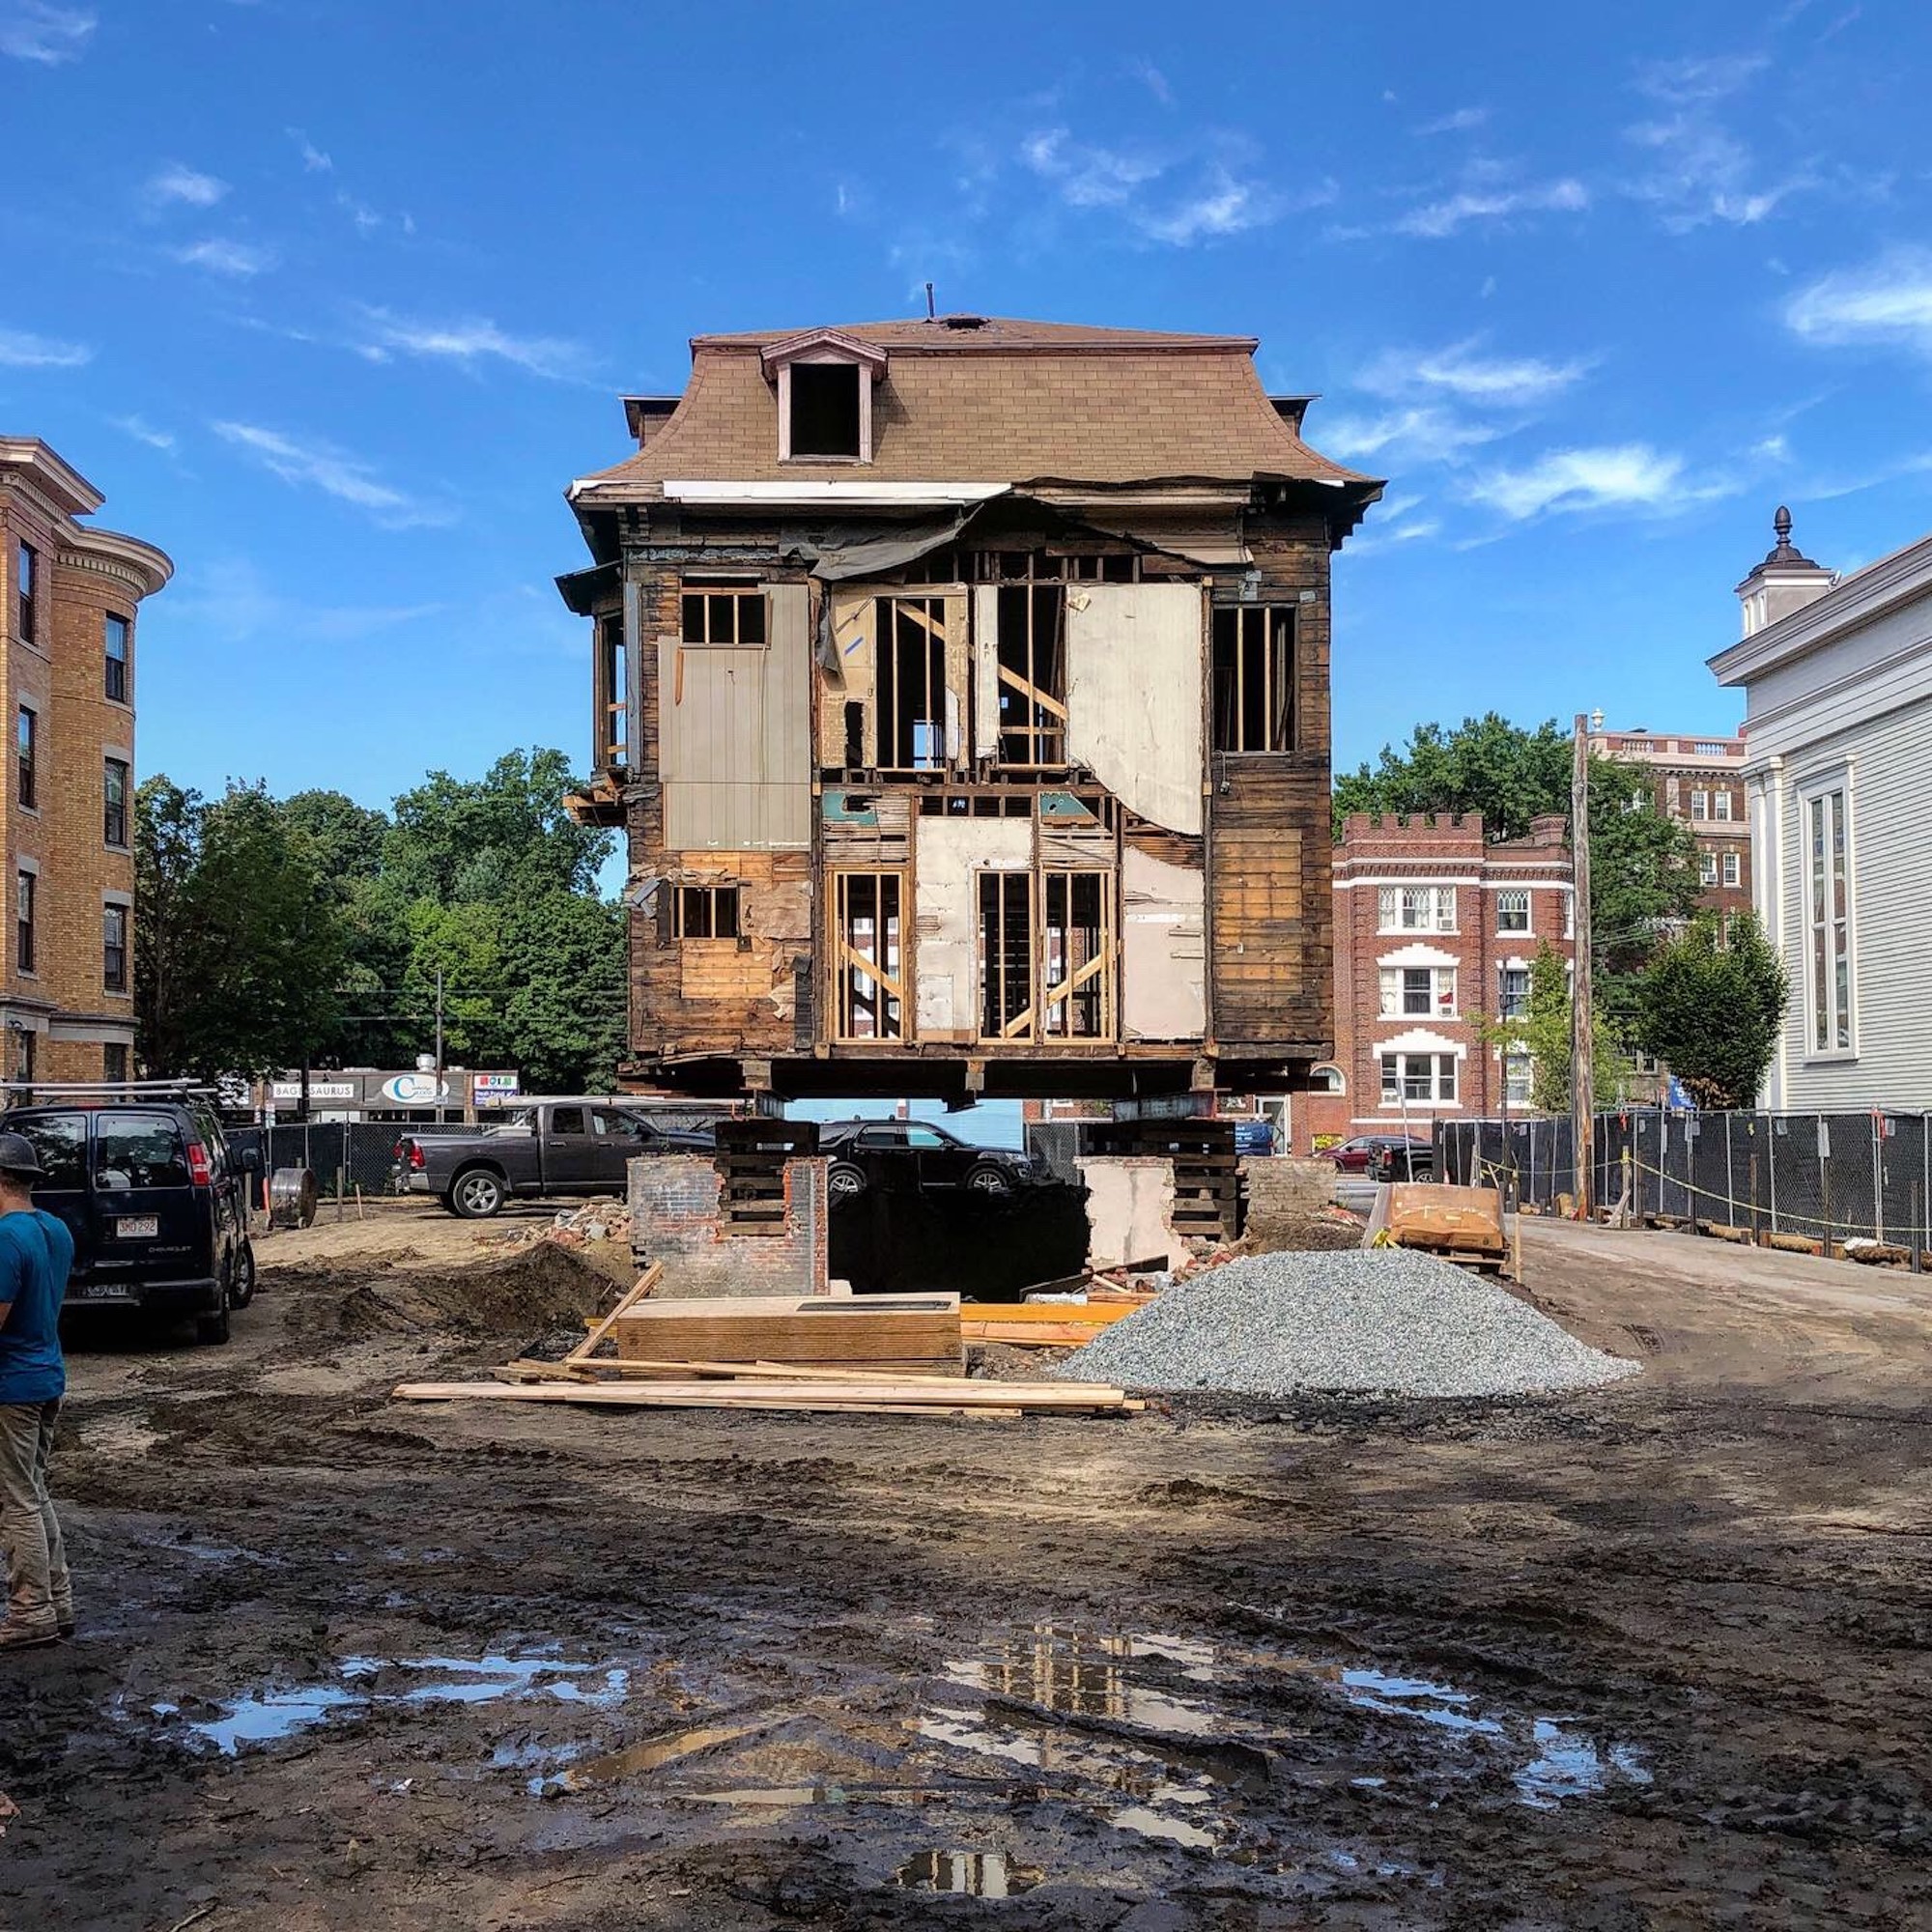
{"points": [[899, 1355], [1045, 1324]]}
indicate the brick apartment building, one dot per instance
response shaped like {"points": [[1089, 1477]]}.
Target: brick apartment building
{"points": [[67, 645], [1701, 782], [1434, 927]]}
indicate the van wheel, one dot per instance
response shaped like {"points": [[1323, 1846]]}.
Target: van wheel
{"points": [[241, 1276], [991, 1181], [844, 1182], [212, 1329], [476, 1195]]}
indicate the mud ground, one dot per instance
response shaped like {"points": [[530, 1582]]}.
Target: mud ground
{"points": [[1653, 1657]]}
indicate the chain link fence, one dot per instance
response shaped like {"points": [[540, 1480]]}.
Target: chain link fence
{"points": [[1823, 1177], [343, 1156]]}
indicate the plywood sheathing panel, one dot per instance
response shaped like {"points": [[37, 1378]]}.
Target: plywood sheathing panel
{"points": [[986, 671], [1163, 944], [1136, 677], [736, 730], [951, 852]]}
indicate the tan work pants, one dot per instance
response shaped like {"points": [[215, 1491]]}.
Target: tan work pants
{"points": [[39, 1593]]}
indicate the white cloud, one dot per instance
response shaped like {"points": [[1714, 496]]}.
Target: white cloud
{"points": [[1087, 177], [1631, 474], [1459, 369], [176, 183], [1888, 301], [314, 162], [347, 478], [1458, 123], [1681, 84], [1422, 433], [1701, 173], [232, 599], [143, 431], [1484, 202], [468, 342], [239, 259], [1216, 201], [1152, 79], [34, 30], [20, 350]]}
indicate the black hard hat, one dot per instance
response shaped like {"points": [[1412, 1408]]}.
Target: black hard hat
{"points": [[18, 1158]]}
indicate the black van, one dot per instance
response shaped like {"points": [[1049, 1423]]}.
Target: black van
{"points": [[156, 1200]]}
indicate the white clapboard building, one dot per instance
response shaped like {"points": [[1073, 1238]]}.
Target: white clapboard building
{"points": [[1838, 680]]}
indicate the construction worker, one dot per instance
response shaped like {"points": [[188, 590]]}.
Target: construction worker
{"points": [[36, 1253]]}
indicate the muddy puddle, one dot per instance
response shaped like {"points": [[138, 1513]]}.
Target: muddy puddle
{"points": [[1040, 1748]]}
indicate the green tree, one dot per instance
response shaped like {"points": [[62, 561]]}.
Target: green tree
{"points": [[1485, 764], [1710, 1005], [1541, 1030], [503, 835], [239, 940]]}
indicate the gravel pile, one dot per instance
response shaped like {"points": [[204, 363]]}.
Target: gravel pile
{"points": [[1378, 1321]]}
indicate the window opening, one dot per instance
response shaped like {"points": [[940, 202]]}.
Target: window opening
{"points": [[855, 735], [1830, 909], [24, 886], [1514, 994], [723, 616], [706, 912], [29, 753], [1417, 1076], [117, 659], [1077, 953], [27, 583], [612, 683], [114, 948], [113, 1065], [1513, 911], [1253, 677], [1732, 869], [825, 408], [868, 983], [114, 800], [1033, 676], [1006, 955], [911, 683]]}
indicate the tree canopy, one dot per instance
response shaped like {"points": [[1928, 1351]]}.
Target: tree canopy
{"points": [[354, 910], [1710, 1006]]}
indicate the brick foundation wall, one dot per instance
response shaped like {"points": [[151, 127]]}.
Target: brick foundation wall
{"points": [[674, 1219], [1283, 1191]]}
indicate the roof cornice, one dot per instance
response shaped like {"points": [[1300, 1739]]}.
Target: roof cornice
{"points": [[31, 459], [140, 565], [1855, 601]]}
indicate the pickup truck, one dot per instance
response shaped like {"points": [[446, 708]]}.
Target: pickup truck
{"points": [[540, 1149]]}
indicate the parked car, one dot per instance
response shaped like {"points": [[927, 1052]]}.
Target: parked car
{"points": [[542, 1150], [1405, 1160], [1358, 1156], [914, 1154], [156, 1201]]}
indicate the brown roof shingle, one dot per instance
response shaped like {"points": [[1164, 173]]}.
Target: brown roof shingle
{"points": [[1009, 401]]}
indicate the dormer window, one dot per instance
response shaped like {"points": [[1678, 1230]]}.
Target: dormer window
{"points": [[824, 381], [825, 409]]}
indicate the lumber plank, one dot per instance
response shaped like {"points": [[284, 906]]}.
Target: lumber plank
{"points": [[637, 1291], [1070, 1397], [884, 1371]]}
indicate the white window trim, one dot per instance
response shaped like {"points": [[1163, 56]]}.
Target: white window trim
{"points": [[1730, 871], [1527, 929], [1435, 1010], [1816, 785]]}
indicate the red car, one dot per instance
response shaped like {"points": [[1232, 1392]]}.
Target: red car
{"points": [[1360, 1154]]}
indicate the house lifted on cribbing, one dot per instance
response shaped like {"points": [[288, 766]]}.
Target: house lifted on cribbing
{"points": [[962, 687]]}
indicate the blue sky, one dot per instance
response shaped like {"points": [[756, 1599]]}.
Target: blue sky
{"points": [[332, 298]]}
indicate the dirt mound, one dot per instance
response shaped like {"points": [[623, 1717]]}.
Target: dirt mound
{"points": [[530, 1290]]}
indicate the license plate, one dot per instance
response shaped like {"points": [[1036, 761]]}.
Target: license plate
{"points": [[105, 1290], [137, 1226]]}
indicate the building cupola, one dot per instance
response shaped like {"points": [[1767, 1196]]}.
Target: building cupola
{"points": [[1786, 580]]}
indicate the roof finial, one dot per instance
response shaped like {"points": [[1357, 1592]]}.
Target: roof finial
{"points": [[1781, 523], [1785, 550]]}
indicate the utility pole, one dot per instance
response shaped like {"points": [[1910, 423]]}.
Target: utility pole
{"points": [[1582, 1017], [438, 1040]]}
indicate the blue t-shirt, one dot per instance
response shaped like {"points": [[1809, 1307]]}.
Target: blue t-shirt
{"points": [[36, 1253]]}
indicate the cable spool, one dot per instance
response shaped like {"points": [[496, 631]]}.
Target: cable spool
{"points": [[292, 1197]]}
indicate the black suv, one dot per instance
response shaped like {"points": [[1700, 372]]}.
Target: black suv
{"points": [[156, 1200], [916, 1154]]}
